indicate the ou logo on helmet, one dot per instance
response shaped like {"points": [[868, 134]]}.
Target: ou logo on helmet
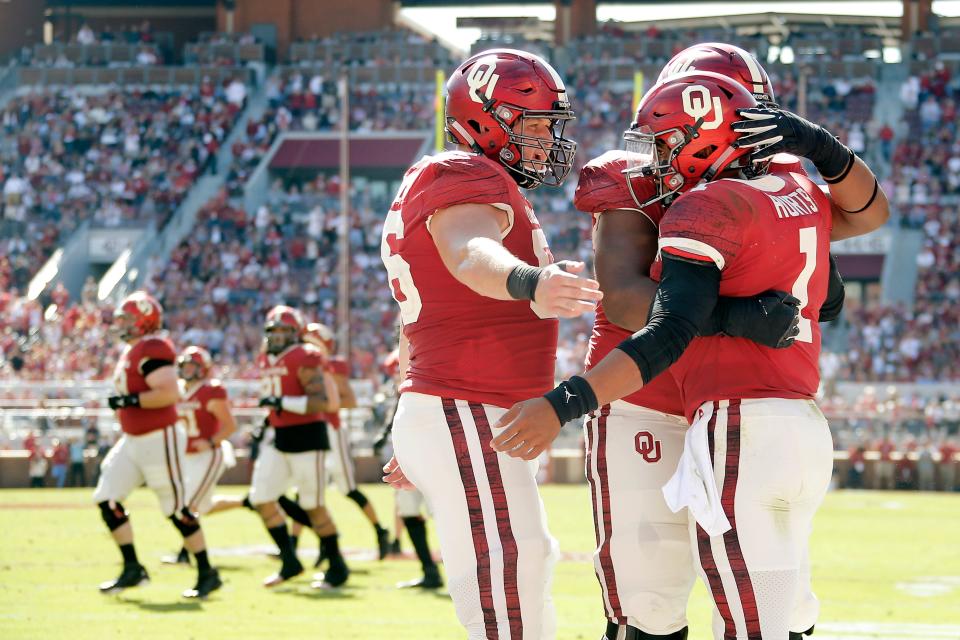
{"points": [[480, 76], [647, 446], [698, 103]]}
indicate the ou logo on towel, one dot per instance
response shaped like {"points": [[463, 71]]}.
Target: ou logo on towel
{"points": [[647, 446], [698, 103]]}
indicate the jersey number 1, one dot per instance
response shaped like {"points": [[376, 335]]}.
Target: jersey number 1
{"points": [[808, 247]]}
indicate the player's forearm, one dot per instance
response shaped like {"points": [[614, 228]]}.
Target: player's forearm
{"points": [[483, 265], [859, 203], [228, 424]]}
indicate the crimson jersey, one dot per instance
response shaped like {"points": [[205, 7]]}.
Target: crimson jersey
{"points": [[768, 233], [128, 377], [278, 377], [338, 367], [193, 410], [603, 187], [462, 344]]}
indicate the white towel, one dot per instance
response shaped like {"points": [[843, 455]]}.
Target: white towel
{"points": [[693, 485], [229, 457]]}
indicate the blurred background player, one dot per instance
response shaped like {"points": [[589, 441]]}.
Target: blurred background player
{"points": [[299, 392], [341, 465], [205, 411], [153, 446], [471, 270]]}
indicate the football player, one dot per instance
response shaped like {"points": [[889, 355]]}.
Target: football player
{"points": [[479, 295], [153, 446], [342, 470], [205, 411], [634, 445], [756, 436], [299, 392]]}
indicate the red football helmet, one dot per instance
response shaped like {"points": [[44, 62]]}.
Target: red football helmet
{"points": [[137, 315], [284, 327], [682, 135], [490, 96], [320, 336], [727, 60], [197, 356]]}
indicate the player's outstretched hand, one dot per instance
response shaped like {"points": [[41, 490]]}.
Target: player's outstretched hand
{"points": [[393, 475], [563, 293], [529, 428]]}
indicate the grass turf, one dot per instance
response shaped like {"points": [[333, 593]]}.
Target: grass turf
{"points": [[886, 565]]}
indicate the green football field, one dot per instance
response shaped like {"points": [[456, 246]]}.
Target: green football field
{"points": [[886, 565]]}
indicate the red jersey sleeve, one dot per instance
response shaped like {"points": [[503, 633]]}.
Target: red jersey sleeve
{"points": [[217, 390], [463, 179], [704, 224], [157, 349], [603, 187], [339, 367]]}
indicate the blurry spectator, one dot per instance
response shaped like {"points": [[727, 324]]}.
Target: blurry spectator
{"points": [[857, 468], [885, 467], [926, 468], [60, 458], [78, 473], [37, 468], [86, 35], [948, 465]]}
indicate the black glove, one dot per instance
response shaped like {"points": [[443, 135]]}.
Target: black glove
{"points": [[773, 131], [833, 305], [771, 319], [274, 402], [122, 402]]}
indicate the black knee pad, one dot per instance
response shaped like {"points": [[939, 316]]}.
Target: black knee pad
{"points": [[115, 516], [358, 497], [632, 633], [294, 510], [185, 522]]}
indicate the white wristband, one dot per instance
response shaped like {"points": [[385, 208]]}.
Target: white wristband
{"points": [[294, 404]]}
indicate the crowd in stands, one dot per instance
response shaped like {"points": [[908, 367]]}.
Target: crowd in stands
{"points": [[131, 46], [922, 342], [114, 157]]}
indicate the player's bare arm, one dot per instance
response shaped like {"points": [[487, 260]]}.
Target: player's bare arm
{"points": [[468, 238], [625, 243], [321, 390], [684, 301], [859, 204], [220, 408], [163, 388]]}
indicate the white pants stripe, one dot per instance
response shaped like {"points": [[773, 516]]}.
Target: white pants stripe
{"points": [[489, 517], [204, 469], [772, 460]]}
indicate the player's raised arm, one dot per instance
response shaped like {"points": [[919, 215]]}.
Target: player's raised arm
{"points": [[468, 239], [859, 204]]}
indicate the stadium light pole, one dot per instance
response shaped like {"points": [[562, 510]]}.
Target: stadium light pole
{"points": [[343, 299]]}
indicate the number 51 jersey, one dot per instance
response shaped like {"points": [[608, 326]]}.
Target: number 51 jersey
{"points": [[464, 345], [768, 233]]}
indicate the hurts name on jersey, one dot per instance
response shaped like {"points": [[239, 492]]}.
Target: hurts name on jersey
{"points": [[793, 205]]}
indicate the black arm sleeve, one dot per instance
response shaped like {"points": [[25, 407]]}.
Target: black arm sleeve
{"points": [[833, 305], [687, 294], [152, 365]]}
